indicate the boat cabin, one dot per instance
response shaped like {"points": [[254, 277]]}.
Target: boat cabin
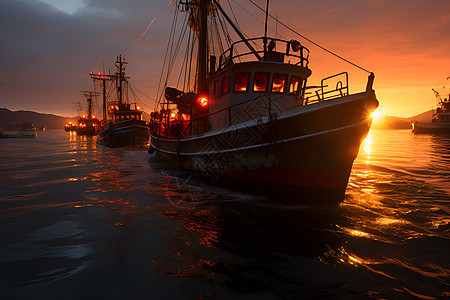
{"points": [[246, 85], [442, 114], [124, 111]]}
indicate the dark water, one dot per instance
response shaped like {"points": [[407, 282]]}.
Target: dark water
{"points": [[79, 221]]}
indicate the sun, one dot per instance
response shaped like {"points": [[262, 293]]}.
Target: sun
{"points": [[376, 114]]}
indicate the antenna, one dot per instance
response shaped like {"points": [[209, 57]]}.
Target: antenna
{"points": [[265, 29]]}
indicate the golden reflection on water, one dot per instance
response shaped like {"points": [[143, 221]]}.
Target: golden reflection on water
{"points": [[81, 142], [367, 147]]}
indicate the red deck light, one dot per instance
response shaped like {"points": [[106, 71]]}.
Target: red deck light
{"points": [[203, 101]]}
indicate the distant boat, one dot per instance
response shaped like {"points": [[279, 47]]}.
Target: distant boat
{"points": [[20, 134], [440, 121], [70, 127], [253, 119], [125, 126], [21, 126], [90, 124]]}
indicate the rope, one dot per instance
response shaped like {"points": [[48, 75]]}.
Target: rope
{"points": [[165, 58], [142, 92], [309, 40]]}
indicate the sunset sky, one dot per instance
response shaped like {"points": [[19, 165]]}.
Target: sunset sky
{"points": [[49, 47]]}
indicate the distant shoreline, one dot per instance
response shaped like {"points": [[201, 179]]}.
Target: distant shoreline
{"points": [[52, 122]]}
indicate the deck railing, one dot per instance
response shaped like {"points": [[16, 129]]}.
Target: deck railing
{"points": [[292, 51], [330, 87]]}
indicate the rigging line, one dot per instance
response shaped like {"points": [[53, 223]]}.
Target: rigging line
{"points": [[139, 101], [187, 60], [190, 61], [136, 98], [309, 40], [171, 51], [228, 38], [219, 39], [234, 16], [237, 24], [174, 55], [180, 42], [178, 51], [261, 21], [182, 69], [133, 94], [142, 92], [165, 59]]}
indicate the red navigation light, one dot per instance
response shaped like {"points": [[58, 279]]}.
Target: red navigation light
{"points": [[203, 101]]}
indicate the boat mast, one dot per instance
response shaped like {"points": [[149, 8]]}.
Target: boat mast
{"points": [[202, 49], [102, 77], [120, 78], [89, 98]]}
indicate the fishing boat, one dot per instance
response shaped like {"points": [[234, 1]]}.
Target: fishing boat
{"points": [[89, 124], [440, 121], [252, 118], [126, 126], [70, 127]]}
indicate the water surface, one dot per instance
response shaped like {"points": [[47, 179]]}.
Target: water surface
{"points": [[81, 221]]}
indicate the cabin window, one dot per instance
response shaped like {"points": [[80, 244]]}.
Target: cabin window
{"points": [[241, 82], [224, 85], [260, 83], [293, 87], [278, 83], [216, 87]]}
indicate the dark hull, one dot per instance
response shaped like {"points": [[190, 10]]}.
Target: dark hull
{"points": [[129, 132], [431, 128], [312, 146], [71, 128], [87, 131]]}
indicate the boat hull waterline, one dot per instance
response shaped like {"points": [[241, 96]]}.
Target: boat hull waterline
{"points": [[128, 132], [311, 146], [439, 128]]}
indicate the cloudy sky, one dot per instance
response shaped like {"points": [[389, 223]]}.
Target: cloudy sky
{"points": [[48, 47]]}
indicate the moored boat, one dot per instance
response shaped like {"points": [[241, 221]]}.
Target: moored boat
{"points": [[89, 124], [252, 117], [70, 127], [440, 121], [126, 126]]}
